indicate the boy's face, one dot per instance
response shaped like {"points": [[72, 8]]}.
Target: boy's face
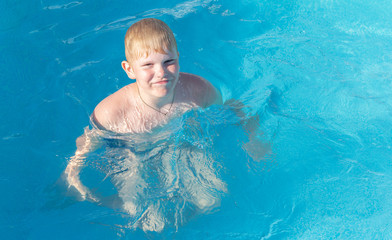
{"points": [[157, 74]]}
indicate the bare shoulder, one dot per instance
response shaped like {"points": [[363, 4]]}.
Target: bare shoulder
{"points": [[202, 90], [110, 109], [194, 80]]}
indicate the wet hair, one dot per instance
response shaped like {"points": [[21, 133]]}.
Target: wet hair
{"points": [[146, 36]]}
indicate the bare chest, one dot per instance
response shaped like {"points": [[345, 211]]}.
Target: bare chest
{"points": [[141, 118]]}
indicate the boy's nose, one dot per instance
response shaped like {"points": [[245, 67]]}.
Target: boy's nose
{"points": [[160, 71]]}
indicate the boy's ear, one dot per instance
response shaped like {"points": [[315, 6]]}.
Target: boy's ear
{"points": [[128, 69]]}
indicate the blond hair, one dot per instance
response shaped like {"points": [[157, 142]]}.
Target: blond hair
{"points": [[148, 35]]}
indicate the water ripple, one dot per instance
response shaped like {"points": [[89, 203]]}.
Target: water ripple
{"points": [[63, 6], [117, 24], [178, 11], [358, 29], [79, 67]]}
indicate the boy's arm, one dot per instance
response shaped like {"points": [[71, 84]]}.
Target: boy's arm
{"points": [[84, 145], [106, 113], [255, 147], [212, 94], [216, 96], [202, 91]]}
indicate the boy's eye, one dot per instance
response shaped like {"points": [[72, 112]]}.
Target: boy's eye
{"points": [[171, 61]]}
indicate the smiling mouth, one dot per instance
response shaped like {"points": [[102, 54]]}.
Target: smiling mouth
{"points": [[162, 82]]}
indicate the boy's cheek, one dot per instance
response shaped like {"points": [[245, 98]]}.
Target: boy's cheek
{"points": [[174, 68]]}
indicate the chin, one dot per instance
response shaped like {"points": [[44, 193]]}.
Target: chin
{"points": [[163, 91]]}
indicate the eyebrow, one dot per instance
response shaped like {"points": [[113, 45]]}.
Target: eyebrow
{"points": [[143, 62]]}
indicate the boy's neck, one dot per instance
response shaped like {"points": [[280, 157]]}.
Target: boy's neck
{"points": [[157, 103]]}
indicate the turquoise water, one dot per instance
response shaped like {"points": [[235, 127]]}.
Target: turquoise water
{"points": [[317, 73]]}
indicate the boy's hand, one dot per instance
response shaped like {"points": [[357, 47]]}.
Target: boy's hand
{"points": [[256, 149], [73, 180]]}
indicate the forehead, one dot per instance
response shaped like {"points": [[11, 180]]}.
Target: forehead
{"points": [[155, 55]]}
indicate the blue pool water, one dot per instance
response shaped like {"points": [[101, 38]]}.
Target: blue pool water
{"points": [[318, 73]]}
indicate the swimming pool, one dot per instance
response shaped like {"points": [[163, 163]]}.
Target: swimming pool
{"points": [[318, 74]]}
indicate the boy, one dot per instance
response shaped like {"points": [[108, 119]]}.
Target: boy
{"points": [[160, 92]]}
